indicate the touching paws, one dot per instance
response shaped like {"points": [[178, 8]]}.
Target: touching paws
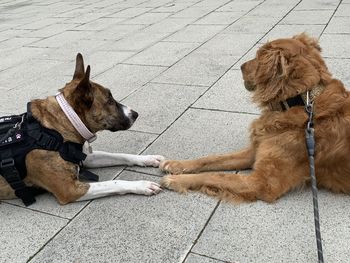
{"points": [[151, 160], [146, 188]]}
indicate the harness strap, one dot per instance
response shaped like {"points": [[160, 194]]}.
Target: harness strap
{"points": [[11, 175], [88, 175], [24, 134]]}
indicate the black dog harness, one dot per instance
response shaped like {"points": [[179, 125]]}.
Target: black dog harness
{"points": [[20, 134]]}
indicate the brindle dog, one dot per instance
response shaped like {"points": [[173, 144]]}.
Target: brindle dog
{"points": [[98, 110]]}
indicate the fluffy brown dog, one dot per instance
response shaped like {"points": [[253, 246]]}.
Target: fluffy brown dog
{"points": [[277, 155]]}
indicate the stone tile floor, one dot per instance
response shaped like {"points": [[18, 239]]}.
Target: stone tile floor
{"points": [[177, 64]]}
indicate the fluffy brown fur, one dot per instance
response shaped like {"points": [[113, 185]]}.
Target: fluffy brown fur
{"points": [[277, 153]]}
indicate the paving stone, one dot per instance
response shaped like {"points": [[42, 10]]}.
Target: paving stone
{"points": [[266, 9], [287, 31], [24, 232], [160, 104], [68, 51], [76, 12], [6, 34], [101, 61], [99, 24], [146, 19], [278, 232], [20, 75], [60, 39], [338, 25], [148, 220], [122, 79], [139, 41], [228, 94], [122, 142], [201, 132], [172, 7], [343, 10], [169, 25], [214, 5], [251, 25], [248, 56], [201, 68], [150, 3], [317, 4], [340, 69], [86, 17], [115, 32], [16, 42], [207, 63], [193, 12], [194, 258], [39, 23], [130, 12], [195, 33], [16, 56], [50, 30], [220, 18], [234, 6], [163, 53], [318, 17], [335, 45]]}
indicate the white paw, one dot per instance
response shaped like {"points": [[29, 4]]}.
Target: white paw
{"points": [[146, 188], [152, 160]]}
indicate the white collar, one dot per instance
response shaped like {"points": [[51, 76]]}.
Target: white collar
{"points": [[74, 118]]}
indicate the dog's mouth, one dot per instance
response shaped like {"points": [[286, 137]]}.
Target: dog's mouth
{"points": [[249, 85], [125, 122]]}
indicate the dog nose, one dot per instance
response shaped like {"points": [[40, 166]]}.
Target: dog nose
{"points": [[134, 114], [242, 66]]}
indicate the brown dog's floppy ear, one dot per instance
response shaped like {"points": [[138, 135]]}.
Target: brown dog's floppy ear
{"points": [[272, 71], [83, 93], [273, 64], [79, 67], [307, 40]]}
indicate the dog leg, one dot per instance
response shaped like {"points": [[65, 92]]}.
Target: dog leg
{"points": [[98, 159], [243, 159], [236, 187], [120, 187]]}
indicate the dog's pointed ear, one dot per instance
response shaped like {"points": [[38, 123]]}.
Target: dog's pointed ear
{"points": [[79, 67], [83, 94], [308, 41]]}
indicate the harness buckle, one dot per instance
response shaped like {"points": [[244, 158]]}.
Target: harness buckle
{"points": [[5, 163]]}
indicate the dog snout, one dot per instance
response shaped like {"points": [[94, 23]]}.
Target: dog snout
{"points": [[243, 66], [134, 115]]}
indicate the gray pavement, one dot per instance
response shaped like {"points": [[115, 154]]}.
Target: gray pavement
{"points": [[177, 64]]}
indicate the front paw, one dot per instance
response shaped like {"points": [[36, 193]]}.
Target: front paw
{"points": [[173, 182], [172, 167], [146, 188], [152, 160]]}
